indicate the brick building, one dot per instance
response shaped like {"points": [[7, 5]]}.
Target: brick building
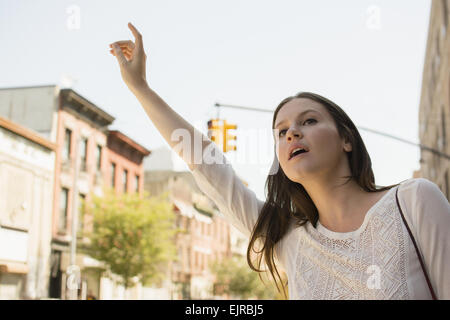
{"points": [[79, 131], [81, 138], [207, 235], [125, 163]]}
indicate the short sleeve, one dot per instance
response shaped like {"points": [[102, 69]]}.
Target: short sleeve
{"points": [[220, 183], [430, 218]]}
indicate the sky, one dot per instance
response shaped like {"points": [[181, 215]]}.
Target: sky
{"points": [[366, 56]]}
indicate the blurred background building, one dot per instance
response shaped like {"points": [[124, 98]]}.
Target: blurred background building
{"points": [[434, 110], [27, 163], [46, 133], [77, 131], [207, 236]]}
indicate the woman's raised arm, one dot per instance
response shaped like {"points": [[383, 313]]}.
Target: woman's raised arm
{"points": [[216, 178], [132, 59]]}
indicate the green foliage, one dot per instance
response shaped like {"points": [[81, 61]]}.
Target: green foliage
{"points": [[132, 235], [235, 277]]}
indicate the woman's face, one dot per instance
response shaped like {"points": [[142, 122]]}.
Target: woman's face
{"points": [[307, 122]]}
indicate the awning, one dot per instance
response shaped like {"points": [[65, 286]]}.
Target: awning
{"points": [[189, 211]]}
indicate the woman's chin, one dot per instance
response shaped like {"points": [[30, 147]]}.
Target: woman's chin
{"points": [[301, 171]]}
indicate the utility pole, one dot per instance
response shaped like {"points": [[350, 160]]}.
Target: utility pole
{"points": [[421, 146], [73, 289]]}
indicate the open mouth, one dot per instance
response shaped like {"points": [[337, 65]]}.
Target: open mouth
{"points": [[297, 153]]}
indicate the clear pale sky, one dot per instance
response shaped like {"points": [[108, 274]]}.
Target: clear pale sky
{"points": [[367, 56]]}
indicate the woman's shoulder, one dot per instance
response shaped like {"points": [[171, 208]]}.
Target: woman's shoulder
{"points": [[416, 188], [423, 199]]}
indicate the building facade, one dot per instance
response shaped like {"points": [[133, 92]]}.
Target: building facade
{"points": [[88, 157], [124, 173], [81, 138], [85, 151], [434, 111], [125, 163], [27, 163], [206, 235]]}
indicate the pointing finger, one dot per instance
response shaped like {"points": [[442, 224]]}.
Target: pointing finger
{"points": [[137, 36]]}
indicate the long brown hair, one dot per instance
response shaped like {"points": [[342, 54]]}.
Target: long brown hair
{"points": [[288, 202]]}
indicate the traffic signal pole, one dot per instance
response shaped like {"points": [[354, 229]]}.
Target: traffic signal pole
{"points": [[421, 146]]}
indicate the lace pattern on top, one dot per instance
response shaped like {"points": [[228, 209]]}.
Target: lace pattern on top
{"points": [[368, 264]]}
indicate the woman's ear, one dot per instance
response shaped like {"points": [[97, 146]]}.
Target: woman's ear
{"points": [[346, 140], [347, 147]]}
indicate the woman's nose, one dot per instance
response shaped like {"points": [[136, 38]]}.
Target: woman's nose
{"points": [[293, 132]]}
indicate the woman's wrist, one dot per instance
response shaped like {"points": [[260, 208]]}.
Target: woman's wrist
{"points": [[141, 89]]}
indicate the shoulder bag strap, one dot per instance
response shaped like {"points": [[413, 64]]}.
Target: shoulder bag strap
{"points": [[415, 246]]}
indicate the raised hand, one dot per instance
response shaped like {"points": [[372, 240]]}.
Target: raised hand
{"points": [[131, 58]]}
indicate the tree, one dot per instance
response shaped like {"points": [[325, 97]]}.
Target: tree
{"points": [[132, 235], [235, 277]]}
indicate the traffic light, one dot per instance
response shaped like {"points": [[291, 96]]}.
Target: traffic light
{"points": [[215, 131], [227, 137]]}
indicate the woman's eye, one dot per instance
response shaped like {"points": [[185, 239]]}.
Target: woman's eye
{"points": [[281, 131], [310, 119]]}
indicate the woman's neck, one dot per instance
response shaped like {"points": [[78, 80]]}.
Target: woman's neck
{"points": [[341, 207]]}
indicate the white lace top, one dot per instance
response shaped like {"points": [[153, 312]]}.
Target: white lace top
{"points": [[377, 261]]}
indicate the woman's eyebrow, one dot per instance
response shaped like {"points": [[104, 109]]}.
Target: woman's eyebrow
{"points": [[298, 116]]}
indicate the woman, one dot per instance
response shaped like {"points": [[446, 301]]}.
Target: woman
{"points": [[325, 223]]}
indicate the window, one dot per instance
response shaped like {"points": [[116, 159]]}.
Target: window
{"points": [[113, 174], [62, 221], [136, 183], [98, 157], [188, 224], [83, 153], [188, 258], [178, 221], [67, 144], [125, 180], [81, 201], [179, 263], [202, 261]]}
